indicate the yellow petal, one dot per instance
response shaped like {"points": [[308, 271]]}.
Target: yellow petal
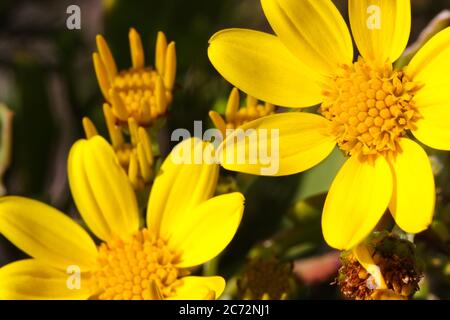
{"points": [[278, 145], [430, 67], [46, 233], [381, 28], [34, 280], [218, 121], [107, 57], [137, 51], [202, 233], [260, 65], [434, 128], [413, 199], [358, 197], [180, 187], [170, 67], [364, 257], [431, 63], [102, 75], [101, 190], [199, 288], [160, 52], [314, 31], [89, 128]]}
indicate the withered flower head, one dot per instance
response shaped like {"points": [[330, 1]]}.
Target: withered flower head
{"points": [[383, 268]]}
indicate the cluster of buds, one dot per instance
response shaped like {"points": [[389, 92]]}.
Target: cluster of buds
{"points": [[140, 92], [135, 99], [135, 156]]}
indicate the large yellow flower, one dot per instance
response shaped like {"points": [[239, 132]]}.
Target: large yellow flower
{"points": [[368, 107], [184, 229]]}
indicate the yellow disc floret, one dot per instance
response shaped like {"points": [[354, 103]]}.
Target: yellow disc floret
{"points": [[141, 95], [127, 269], [370, 108]]}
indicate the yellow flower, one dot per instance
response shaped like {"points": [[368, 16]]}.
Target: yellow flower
{"points": [[368, 107], [184, 229], [140, 92], [235, 116], [135, 155]]}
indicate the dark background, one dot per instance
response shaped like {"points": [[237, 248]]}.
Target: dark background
{"points": [[47, 79]]}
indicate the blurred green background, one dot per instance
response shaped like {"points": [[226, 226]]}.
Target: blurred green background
{"points": [[47, 79]]}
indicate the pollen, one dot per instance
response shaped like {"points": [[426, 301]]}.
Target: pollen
{"points": [[370, 108], [139, 268]]}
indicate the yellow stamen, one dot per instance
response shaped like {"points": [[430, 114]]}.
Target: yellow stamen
{"points": [[370, 108], [142, 267], [89, 128]]}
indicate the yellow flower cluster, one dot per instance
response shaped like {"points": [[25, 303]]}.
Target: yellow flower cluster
{"points": [[372, 111], [136, 98]]}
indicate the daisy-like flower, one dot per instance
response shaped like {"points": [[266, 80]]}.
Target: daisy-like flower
{"points": [[184, 229], [368, 107], [141, 92], [237, 115]]}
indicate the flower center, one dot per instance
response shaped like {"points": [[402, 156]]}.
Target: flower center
{"points": [[139, 93], [370, 108], [127, 268]]}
